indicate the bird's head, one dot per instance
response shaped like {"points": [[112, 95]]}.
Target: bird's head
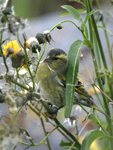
{"points": [[56, 59]]}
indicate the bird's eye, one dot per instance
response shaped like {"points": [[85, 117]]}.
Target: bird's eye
{"points": [[55, 58]]}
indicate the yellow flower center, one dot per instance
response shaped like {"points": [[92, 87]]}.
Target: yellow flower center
{"points": [[12, 44]]}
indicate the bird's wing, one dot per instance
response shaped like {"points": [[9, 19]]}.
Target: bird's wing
{"points": [[79, 88]]}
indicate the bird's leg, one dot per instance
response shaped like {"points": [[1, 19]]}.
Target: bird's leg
{"points": [[54, 111], [49, 104]]}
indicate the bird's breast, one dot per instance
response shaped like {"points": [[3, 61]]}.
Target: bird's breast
{"points": [[49, 85]]}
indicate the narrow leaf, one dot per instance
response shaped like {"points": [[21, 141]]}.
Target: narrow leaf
{"points": [[65, 14], [71, 76], [90, 137], [87, 17], [105, 29], [73, 12], [88, 44]]}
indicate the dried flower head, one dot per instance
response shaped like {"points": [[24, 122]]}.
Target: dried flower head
{"points": [[11, 134], [47, 36], [40, 38], [32, 44]]}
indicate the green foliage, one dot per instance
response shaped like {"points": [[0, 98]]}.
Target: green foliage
{"points": [[90, 137], [73, 58], [67, 145], [74, 13]]}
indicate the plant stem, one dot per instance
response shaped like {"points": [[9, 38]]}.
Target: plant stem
{"points": [[28, 135], [93, 24], [26, 61], [62, 127], [82, 31], [48, 143], [68, 133], [108, 45], [44, 129], [97, 51], [1, 52], [37, 144], [49, 122], [41, 56], [17, 83]]}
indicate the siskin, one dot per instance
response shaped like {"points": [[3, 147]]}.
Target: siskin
{"points": [[51, 80]]}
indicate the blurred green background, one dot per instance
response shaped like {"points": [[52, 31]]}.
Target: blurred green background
{"points": [[35, 8]]}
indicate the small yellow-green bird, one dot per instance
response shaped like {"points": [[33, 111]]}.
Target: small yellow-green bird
{"points": [[51, 80]]}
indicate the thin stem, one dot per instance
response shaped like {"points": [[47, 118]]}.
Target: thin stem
{"points": [[92, 23], [98, 98], [100, 46], [16, 77], [99, 42], [43, 126], [44, 129], [105, 32], [49, 122], [61, 132], [26, 61], [82, 31], [83, 109], [97, 51], [22, 86], [4, 59], [61, 126], [94, 62], [41, 142], [41, 56], [104, 93], [68, 133], [27, 135], [108, 45]]}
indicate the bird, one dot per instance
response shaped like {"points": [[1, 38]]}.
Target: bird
{"points": [[51, 81]]}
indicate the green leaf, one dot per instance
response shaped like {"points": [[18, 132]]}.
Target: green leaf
{"points": [[68, 13], [87, 17], [81, 10], [67, 145], [71, 76], [93, 116], [88, 44], [65, 14], [106, 145], [90, 137], [73, 12], [105, 29]]}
